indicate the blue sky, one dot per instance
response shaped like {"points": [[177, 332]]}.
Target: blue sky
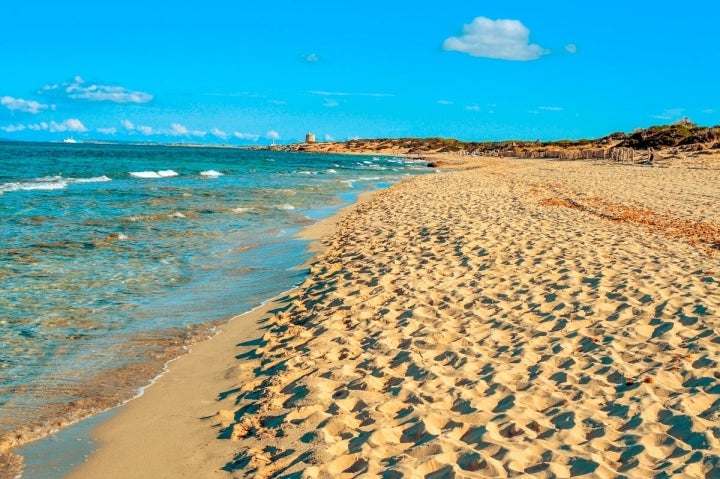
{"points": [[251, 72]]}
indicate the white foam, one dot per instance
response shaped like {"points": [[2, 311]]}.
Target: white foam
{"points": [[97, 179], [210, 174], [144, 174], [286, 206], [330, 171], [153, 174], [45, 183]]}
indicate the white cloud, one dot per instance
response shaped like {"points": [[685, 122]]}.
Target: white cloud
{"points": [[178, 129], [551, 108], [219, 133], [312, 58], [329, 138], [12, 128], [331, 102], [71, 124], [472, 107], [273, 135], [344, 93], [108, 131], [145, 130], [127, 124], [571, 48], [670, 114], [78, 89], [27, 106], [709, 111], [198, 133], [246, 136], [499, 39]]}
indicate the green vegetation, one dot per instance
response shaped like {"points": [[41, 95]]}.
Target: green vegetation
{"points": [[682, 134]]}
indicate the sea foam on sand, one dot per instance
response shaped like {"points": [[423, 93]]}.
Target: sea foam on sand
{"points": [[520, 317]]}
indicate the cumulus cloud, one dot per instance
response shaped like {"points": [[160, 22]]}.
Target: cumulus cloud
{"points": [[12, 128], [26, 106], [71, 124], [246, 136], [79, 89], [219, 133], [670, 114], [344, 93], [178, 129], [132, 127], [499, 39], [312, 58], [273, 135]]}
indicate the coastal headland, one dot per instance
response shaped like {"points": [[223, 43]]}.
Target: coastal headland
{"points": [[504, 316]]}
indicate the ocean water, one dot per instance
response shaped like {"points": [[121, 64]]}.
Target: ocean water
{"points": [[114, 257]]}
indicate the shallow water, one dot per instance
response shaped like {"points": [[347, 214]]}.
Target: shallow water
{"points": [[114, 257]]}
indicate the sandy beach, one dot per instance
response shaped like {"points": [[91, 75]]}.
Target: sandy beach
{"points": [[500, 318]]}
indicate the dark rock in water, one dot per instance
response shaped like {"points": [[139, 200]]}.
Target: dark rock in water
{"points": [[433, 164]]}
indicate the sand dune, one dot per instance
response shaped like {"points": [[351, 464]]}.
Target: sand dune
{"points": [[495, 322]]}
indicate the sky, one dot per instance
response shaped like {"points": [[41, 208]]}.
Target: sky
{"points": [[247, 72]]}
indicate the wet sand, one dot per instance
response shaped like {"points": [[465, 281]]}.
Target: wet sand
{"points": [[510, 317]]}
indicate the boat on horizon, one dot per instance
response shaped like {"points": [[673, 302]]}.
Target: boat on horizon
{"points": [[69, 140]]}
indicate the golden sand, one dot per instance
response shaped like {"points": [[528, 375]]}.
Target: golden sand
{"points": [[521, 317]]}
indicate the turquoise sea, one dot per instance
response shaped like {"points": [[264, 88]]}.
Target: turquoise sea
{"points": [[114, 257]]}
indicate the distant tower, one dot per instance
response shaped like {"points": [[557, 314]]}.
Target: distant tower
{"points": [[310, 138]]}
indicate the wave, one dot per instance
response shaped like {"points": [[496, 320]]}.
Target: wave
{"points": [[153, 174], [48, 183], [210, 174], [97, 179], [286, 207]]}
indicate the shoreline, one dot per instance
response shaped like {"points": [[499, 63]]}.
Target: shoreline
{"points": [[373, 363], [311, 234]]}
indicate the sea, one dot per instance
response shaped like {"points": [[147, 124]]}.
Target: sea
{"points": [[115, 258]]}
